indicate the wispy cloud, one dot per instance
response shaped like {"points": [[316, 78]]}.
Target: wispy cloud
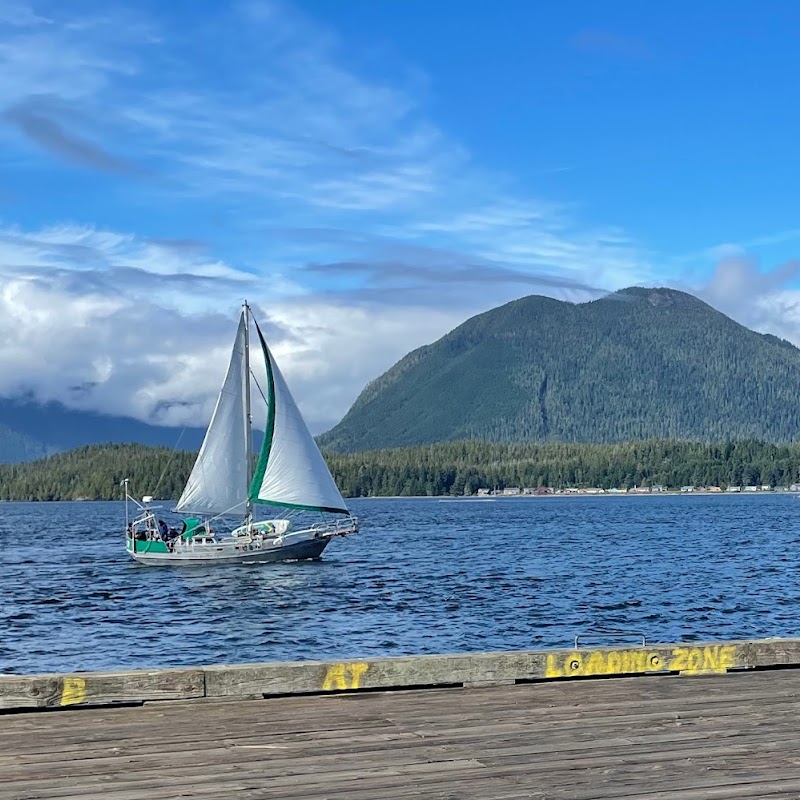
{"points": [[20, 15], [741, 248], [396, 273], [36, 121], [77, 248], [741, 288], [358, 226]]}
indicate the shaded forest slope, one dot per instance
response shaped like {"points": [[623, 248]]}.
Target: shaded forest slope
{"points": [[637, 364]]}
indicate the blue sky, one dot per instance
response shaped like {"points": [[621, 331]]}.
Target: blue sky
{"points": [[676, 122], [369, 174]]}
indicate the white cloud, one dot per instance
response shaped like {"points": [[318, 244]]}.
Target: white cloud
{"points": [[309, 162], [336, 349], [107, 321], [763, 300], [120, 341]]}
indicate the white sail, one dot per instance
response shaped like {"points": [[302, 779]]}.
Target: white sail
{"points": [[219, 480], [291, 470]]}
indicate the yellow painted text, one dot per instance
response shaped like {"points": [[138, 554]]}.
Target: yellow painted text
{"points": [[686, 660], [73, 691], [344, 676]]}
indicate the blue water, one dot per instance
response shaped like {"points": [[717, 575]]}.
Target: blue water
{"points": [[424, 576]]}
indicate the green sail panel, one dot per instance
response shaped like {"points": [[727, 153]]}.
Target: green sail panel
{"points": [[291, 471]]}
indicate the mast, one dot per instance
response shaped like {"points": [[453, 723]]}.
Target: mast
{"points": [[248, 420]]}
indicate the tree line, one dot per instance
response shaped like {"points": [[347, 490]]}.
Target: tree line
{"points": [[461, 468], [451, 468], [95, 473]]}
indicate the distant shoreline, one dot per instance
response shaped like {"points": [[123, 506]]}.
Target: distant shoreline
{"points": [[484, 498], [487, 498], [448, 470]]}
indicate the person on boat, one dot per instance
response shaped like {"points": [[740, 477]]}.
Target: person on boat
{"points": [[163, 529], [170, 534]]}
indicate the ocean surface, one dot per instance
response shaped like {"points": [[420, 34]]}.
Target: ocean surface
{"points": [[423, 576]]}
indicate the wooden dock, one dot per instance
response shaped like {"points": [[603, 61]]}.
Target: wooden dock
{"points": [[712, 730]]}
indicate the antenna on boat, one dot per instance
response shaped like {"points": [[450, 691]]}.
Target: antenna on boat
{"points": [[125, 483]]}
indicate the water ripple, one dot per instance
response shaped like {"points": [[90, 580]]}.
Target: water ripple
{"points": [[424, 576]]}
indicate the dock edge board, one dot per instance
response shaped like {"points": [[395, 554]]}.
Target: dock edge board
{"points": [[20, 692]]}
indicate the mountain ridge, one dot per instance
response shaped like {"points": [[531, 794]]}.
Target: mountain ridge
{"points": [[636, 364], [532, 370], [30, 430]]}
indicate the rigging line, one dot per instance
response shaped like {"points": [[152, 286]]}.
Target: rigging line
{"points": [[225, 513], [258, 386], [228, 512], [169, 461]]}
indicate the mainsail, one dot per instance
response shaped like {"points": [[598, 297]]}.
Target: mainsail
{"points": [[291, 471], [219, 480]]}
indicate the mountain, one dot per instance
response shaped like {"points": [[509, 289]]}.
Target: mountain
{"points": [[636, 364], [29, 430]]}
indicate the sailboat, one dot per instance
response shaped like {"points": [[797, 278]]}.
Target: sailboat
{"points": [[228, 481]]}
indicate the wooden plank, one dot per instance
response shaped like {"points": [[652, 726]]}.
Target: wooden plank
{"points": [[498, 668], [48, 691], [309, 677], [775, 789], [471, 669], [656, 746], [281, 716], [660, 738], [503, 737], [181, 733], [100, 787]]}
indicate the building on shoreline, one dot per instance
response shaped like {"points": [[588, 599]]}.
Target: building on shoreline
{"points": [[657, 488]]}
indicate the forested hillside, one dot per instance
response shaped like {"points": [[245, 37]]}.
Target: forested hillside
{"points": [[638, 364], [455, 468], [95, 472]]}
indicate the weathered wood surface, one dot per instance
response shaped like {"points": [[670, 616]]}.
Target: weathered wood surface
{"points": [[36, 691], [652, 738], [468, 669]]}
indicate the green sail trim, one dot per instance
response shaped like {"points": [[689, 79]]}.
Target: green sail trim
{"points": [[301, 507], [266, 445]]}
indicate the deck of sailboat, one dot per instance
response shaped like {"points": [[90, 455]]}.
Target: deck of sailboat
{"points": [[654, 738]]}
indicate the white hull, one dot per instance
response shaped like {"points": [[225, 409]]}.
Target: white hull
{"points": [[299, 546]]}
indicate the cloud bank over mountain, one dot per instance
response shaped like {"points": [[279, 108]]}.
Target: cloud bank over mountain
{"points": [[148, 188]]}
